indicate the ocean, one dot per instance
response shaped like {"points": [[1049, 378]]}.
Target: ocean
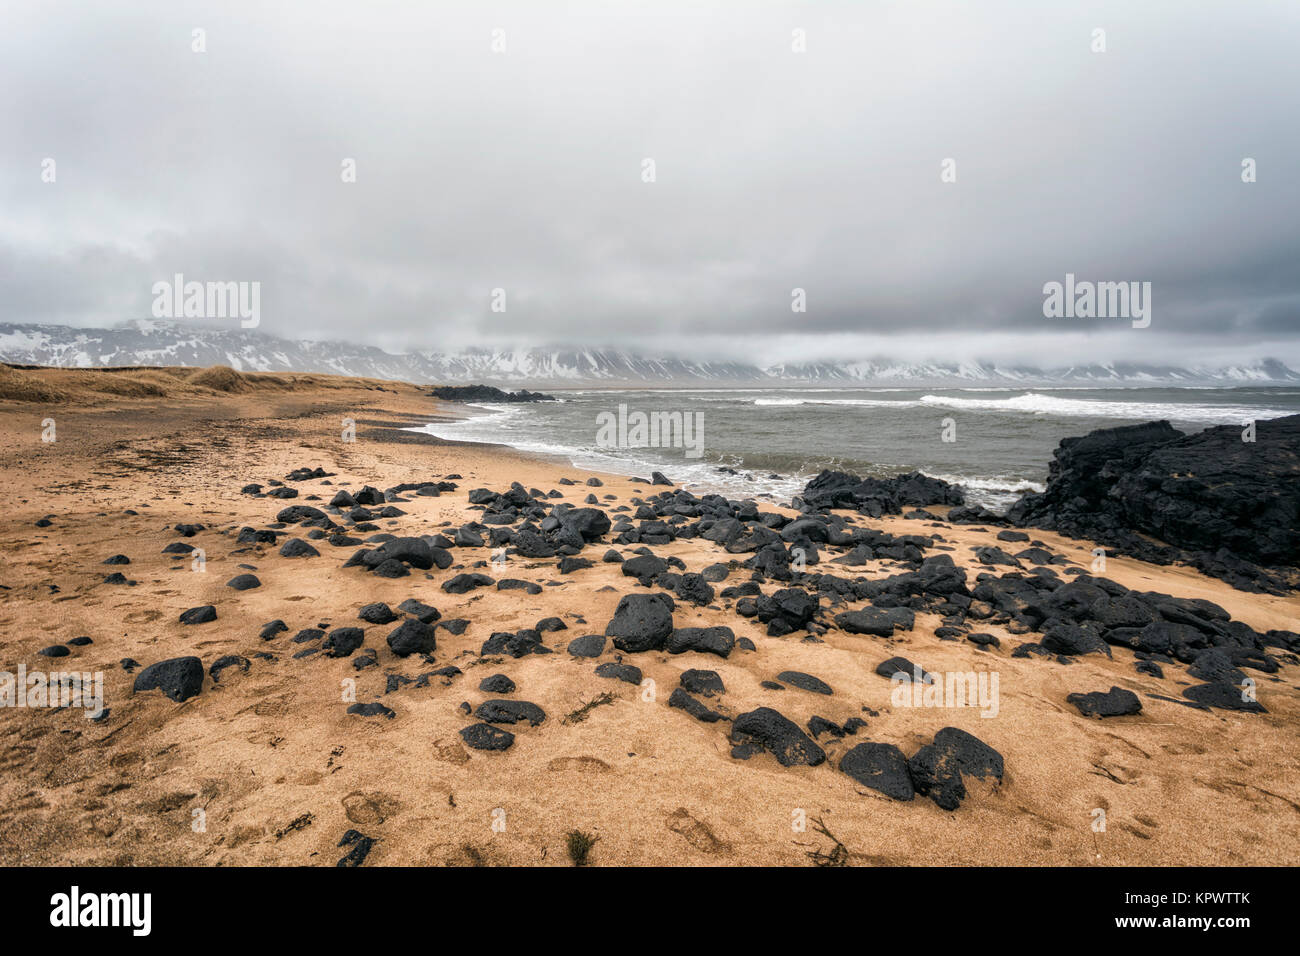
{"points": [[774, 440]]}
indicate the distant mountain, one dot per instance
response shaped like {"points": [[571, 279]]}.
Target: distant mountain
{"points": [[170, 343]]}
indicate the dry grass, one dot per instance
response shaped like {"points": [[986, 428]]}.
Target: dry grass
{"points": [[90, 387], [579, 844]]}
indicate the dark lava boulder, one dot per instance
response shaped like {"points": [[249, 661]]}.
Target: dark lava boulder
{"points": [[681, 700], [876, 621], [298, 513], [879, 496], [693, 588], [937, 768], [1116, 702], [179, 678], [719, 640], [413, 637], [702, 683], [787, 610], [627, 673], [497, 684], [1224, 697], [462, 583], [509, 712], [805, 682], [882, 767], [199, 615], [767, 729], [342, 641], [487, 737], [414, 552], [641, 622], [645, 567], [589, 645], [590, 523], [1062, 638], [298, 548], [419, 610], [373, 709], [520, 643], [222, 664], [377, 613], [903, 669]]}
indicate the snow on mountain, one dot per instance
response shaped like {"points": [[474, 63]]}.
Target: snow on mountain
{"points": [[169, 343]]}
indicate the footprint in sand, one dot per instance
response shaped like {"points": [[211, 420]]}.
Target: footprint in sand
{"points": [[450, 751], [697, 833], [583, 764], [370, 808]]}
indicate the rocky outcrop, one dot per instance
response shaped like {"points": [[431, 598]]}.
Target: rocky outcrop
{"points": [[486, 393], [1226, 505], [879, 496]]}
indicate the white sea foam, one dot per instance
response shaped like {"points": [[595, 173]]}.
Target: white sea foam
{"points": [[1035, 403]]}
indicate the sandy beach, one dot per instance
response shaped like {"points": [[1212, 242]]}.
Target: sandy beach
{"points": [[265, 766]]}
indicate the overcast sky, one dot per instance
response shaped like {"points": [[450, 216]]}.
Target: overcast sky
{"points": [[775, 170]]}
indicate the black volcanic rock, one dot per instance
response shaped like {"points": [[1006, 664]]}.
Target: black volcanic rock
{"points": [[702, 683], [805, 682], [486, 393], [510, 712], [487, 737], [589, 645], [497, 684], [412, 637], [767, 729], [590, 523], [1116, 702], [462, 583], [373, 709], [937, 768], [419, 610], [377, 613], [199, 615], [179, 678], [876, 621], [627, 673], [681, 700], [1223, 696], [518, 644], [878, 496], [719, 640], [881, 767], [641, 622], [1229, 507], [298, 548], [342, 641]]}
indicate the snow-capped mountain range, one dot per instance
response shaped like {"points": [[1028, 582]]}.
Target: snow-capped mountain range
{"points": [[169, 343]]}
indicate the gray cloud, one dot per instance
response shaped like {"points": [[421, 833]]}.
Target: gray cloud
{"points": [[774, 171]]}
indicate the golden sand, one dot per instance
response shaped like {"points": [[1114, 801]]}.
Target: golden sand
{"points": [[267, 767]]}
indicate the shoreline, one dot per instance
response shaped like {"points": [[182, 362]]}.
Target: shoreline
{"points": [[268, 746]]}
